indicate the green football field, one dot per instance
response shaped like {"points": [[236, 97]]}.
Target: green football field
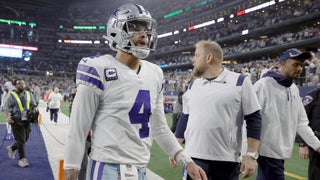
{"points": [[295, 167]]}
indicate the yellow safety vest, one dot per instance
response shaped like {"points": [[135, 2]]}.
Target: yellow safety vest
{"points": [[21, 108]]}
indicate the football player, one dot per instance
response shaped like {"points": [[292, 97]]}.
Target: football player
{"points": [[120, 98]]}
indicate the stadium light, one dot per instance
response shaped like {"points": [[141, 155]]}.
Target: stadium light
{"points": [[165, 35], [85, 27], [220, 19], [201, 25], [31, 48], [77, 41], [244, 32]]}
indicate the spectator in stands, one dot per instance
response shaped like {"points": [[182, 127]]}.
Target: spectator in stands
{"points": [[54, 100], [15, 111], [214, 108], [119, 97], [177, 110], [312, 107], [282, 115]]}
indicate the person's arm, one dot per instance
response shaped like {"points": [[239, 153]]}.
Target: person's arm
{"points": [[309, 103], [305, 131], [253, 133], [6, 109], [181, 127], [6, 115], [84, 107], [169, 144]]}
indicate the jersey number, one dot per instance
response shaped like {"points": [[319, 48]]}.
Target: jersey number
{"points": [[140, 112]]}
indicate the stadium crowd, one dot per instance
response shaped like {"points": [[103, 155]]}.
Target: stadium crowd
{"points": [[58, 61]]}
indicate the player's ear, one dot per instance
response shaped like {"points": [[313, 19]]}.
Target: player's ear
{"points": [[209, 58]]}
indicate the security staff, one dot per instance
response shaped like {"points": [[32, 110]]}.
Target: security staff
{"points": [[16, 109], [312, 106]]}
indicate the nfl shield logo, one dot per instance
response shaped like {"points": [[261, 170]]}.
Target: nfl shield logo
{"points": [[111, 74], [307, 100]]}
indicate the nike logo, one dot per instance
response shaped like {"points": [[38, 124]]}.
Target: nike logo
{"points": [[290, 54]]}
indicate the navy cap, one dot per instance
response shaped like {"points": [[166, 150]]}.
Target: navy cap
{"points": [[295, 54]]}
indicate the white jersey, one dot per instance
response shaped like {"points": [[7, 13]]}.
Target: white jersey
{"points": [[283, 115], [55, 100], [216, 109], [123, 108]]}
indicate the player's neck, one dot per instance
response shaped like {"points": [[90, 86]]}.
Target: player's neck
{"points": [[213, 73], [129, 60]]}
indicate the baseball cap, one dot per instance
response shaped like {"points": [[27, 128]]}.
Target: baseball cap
{"points": [[295, 54]]}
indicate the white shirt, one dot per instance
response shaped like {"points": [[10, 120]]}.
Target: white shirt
{"points": [[123, 109], [282, 116], [55, 100], [216, 109]]}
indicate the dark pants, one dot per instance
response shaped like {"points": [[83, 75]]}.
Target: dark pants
{"points": [[314, 165], [175, 119], [84, 163], [21, 134], [270, 168], [219, 170], [54, 115]]}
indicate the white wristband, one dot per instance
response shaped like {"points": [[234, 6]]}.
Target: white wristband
{"points": [[183, 159]]}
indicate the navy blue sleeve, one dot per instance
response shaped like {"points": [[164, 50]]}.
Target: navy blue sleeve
{"points": [[253, 125], [182, 125]]}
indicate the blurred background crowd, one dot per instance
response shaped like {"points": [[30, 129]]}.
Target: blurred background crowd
{"points": [[251, 32]]}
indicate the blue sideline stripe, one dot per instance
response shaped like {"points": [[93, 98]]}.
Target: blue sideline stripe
{"points": [[88, 69], [90, 80], [36, 153]]}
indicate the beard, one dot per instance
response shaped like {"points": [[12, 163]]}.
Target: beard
{"points": [[197, 72]]}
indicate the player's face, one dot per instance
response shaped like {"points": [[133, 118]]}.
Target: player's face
{"points": [[140, 39], [199, 62], [292, 68], [139, 31]]}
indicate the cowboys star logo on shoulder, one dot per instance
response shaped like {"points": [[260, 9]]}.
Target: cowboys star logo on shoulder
{"points": [[111, 74]]}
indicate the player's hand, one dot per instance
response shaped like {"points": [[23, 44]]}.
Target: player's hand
{"points": [[173, 162], [10, 121], [304, 152], [71, 174], [196, 172], [248, 166]]}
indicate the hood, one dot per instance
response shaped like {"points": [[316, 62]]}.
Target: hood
{"points": [[279, 78]]}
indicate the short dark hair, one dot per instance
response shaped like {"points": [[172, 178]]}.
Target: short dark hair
{"points": [[15, 80]]}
